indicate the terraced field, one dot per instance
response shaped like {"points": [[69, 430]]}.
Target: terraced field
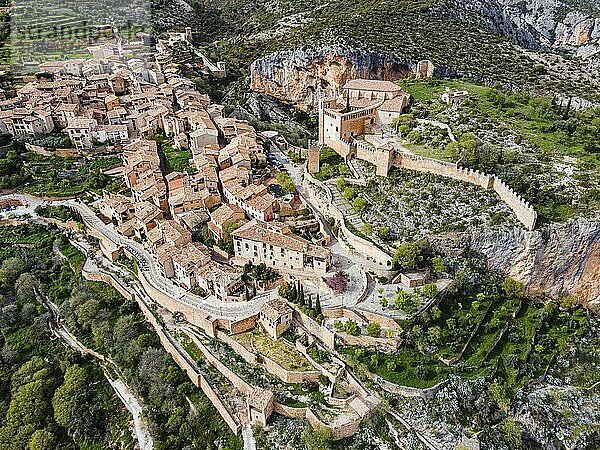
{"points": [[56, 30]]}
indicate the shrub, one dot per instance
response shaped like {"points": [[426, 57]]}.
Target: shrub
{"points": [[352, 328], [359, 204], [373, 329]]}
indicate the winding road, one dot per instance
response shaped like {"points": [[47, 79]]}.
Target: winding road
{"points": [[210, 305]]}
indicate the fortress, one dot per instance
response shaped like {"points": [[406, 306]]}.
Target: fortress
{"points": [[355, 130]]}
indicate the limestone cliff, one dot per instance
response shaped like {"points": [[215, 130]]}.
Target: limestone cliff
{"points": [[536, 24], [558, 258], [302, 77]]}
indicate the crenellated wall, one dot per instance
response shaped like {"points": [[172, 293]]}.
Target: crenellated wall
{"points": [[442, 168], [383, 161], [524, 211]]}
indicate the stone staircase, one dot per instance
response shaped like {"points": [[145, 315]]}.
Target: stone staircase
{"points": [[344, 206]]}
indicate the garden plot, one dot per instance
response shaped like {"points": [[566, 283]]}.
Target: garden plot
{"points": [[283, 354]]}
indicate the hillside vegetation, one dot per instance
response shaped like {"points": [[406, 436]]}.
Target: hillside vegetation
{"points": [[411, 30]]}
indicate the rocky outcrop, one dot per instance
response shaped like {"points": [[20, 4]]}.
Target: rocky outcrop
{"points": [[535, 24], [303, 77], [558, 259]]}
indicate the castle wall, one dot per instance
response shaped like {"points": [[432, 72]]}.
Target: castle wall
{"points": [[524, 211], [444, 169], [289, 376], [326, 336]]}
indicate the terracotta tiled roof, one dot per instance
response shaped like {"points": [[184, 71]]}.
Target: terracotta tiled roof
{"points": [[274, 309], [372, 85]]}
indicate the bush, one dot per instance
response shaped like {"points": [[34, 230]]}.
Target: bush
{"points": [[352, 328], [373, 329], [359, 204]]}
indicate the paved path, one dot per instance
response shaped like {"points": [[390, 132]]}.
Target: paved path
{"points": [[248, 437], [439, 124], [132, 404]]}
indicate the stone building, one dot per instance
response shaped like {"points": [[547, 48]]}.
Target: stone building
{"points": [[424, 69], [365, 106], [454, 98], [275, 316], [273, 244]]}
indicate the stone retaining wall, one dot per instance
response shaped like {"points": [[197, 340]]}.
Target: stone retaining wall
{"points": [[192, 315], [233, 378], [289, 411], [326, 336], [108, 279], [46, 151], [408, 391], [196, 378], [340, 431], [355, 244]]}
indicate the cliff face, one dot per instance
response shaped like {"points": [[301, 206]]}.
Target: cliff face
{"points": [[558, 259], [535, 24], [303, 77]]}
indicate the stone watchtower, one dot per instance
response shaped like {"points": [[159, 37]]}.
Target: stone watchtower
{"points": [[425, 69], [314, 151]]}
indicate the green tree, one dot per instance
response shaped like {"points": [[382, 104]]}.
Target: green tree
{"points": [[409, 255], [359, 204], [500, 395], [437, 264], [436, 313], [434, 335], [343, 169], [318, 310], [414, 136], [349, 193], [404, 302], [10, 270], [286, 182], [430, 290], [352, 328], [87, 313], [42, 440], [405, 120], [512, 288], [341, 184], [70, 395], [367, 228], [383, 232], [373, 329]]}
